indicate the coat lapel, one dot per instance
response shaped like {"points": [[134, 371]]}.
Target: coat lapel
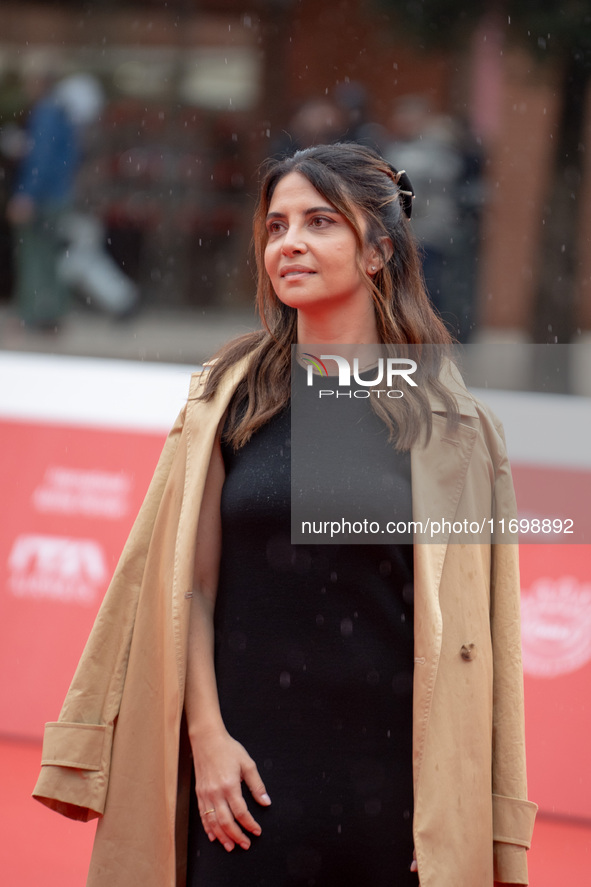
{"points": [[438, 472], [438, 475]]}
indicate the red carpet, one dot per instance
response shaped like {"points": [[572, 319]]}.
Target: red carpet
{"points": [[38, 847], [41, 849]]}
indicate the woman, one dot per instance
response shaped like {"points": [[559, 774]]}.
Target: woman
{"points": [[305, 693]]}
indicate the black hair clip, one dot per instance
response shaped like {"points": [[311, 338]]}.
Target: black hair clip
{"points": [[405, 189]]}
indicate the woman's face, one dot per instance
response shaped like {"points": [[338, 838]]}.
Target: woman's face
{"points": [[311, 252]]}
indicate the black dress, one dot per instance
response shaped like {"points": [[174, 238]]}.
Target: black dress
{"points": [[314, 662]]}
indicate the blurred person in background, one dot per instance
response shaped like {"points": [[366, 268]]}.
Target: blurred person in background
{"points": [[352, 98], [60, 248], [44, 191], [318, 121], [447, 178], [323, 120], [84, 264]]}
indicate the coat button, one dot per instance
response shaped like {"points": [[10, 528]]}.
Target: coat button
{"points": [[468, 652]]}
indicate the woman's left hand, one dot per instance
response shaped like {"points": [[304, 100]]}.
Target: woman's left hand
{"points": [[221, 765]]}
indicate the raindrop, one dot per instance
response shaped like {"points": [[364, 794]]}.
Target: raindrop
{"points": [[346, 627], [285, 680], [320, 620], [385, 569]]}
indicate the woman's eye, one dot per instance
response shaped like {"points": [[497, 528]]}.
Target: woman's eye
{"points": [[274, 227], [320, 222]]}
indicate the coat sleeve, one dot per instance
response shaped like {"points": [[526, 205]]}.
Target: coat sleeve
{"points": [[513, 814], [77, 748]]}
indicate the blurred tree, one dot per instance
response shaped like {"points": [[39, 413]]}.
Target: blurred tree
{"points": [[557, 33]]}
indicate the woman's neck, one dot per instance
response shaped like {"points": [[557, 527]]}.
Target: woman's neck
{"points": [[335, 329]]}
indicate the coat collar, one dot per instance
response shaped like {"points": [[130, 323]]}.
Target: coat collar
{"points": [[439, 467], [450, 376]]}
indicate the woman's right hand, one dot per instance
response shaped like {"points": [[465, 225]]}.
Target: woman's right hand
{"points": [[221, 765]]}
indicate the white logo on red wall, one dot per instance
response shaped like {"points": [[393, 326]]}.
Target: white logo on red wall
{"points": [[88, 492], [57, 567], [556, 626]]}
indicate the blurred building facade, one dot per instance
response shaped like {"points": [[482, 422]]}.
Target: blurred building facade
{"points": [[200, 91]]}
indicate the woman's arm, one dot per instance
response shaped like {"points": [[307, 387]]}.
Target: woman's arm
{"points": [[220, 762]]}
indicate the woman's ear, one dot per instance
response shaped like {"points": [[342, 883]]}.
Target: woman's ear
{"points": [[387, 249], [379, 256]]}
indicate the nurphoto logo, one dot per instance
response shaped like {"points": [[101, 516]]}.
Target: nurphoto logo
{"points": [[384, 369]]}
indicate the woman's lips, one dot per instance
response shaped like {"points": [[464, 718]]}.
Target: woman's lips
{"points": [[295, 273]]}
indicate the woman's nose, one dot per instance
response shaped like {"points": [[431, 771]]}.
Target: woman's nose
{"points": [[293, 243]]}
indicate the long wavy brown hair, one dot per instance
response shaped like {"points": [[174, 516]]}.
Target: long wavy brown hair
{"points": [[357, 182]]}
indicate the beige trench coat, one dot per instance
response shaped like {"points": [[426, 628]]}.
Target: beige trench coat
{"points": [[119, 749]]}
